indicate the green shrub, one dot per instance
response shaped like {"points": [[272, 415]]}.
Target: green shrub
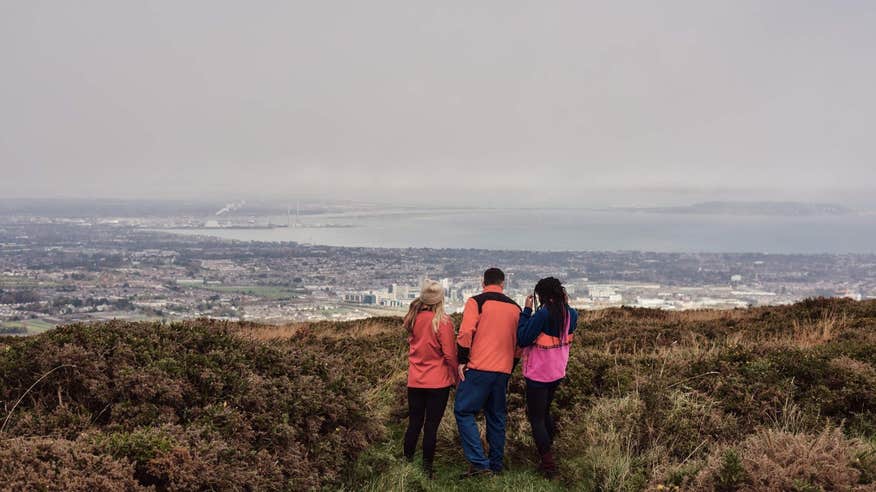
{"points": [[138, 446], [731, 475]]}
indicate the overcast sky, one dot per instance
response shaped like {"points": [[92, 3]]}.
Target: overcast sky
{"points": [[435, 100]]}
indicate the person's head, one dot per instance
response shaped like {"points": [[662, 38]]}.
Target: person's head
{"points": [[552, 295], [431, 299], [494, 276]]}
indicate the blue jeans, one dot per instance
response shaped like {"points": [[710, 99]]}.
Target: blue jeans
{"points": [[482, 391]]}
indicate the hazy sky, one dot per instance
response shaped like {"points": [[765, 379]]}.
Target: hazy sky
{"points": [[434, 100]]}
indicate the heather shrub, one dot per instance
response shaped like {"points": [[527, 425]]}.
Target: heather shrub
{"points": [[190, 405], [42, 463], [701, 400], [777, 460]]}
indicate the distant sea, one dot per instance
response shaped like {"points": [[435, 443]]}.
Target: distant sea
{"points": [[574, 230]]}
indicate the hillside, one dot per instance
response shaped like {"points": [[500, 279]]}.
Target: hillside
{"points": [[780, 398]]}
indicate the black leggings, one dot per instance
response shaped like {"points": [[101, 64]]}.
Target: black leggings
{"points": [[538, 409], [425, 406]]}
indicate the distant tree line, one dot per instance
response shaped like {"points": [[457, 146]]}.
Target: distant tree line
{"points": [[18, 296]]}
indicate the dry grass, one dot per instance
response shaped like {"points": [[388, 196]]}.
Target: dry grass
{"points": [[321, 330], [700, 315], [358, 330], [700, 400], [381, 399], [816, 332], [603, 455], [691, 345], [790, 418], [366, 330], [270, 332], [779, 460], [803, 334], [589, 316], [853, 366]]}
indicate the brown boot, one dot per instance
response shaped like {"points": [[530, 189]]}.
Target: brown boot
{"points": [[548, 466]]}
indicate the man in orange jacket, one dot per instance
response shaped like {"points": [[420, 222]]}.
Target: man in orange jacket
{"points": [[487, 352]]}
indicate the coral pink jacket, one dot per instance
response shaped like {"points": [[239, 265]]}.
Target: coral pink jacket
{"points": [[432, 359]]}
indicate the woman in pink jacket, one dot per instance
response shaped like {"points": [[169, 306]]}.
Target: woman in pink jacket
{"points": [[545, 336]]}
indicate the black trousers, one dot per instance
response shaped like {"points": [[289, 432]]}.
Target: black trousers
{"points": [[426, 409], [538, 409]]}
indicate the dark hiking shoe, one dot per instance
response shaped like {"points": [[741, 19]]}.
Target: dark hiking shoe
{"points": [[428, 471], [548, 466], [474, 472]]}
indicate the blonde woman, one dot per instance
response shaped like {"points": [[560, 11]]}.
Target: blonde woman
{"points": [[431, 369]]}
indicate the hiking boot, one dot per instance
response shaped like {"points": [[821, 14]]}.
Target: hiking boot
{"points": [[428, 471], [474, 472], [548, 466]]}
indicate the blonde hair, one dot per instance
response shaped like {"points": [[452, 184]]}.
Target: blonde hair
{"points": [[431, 299]]}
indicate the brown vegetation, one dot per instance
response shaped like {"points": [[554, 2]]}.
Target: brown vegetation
{"points": [[188, 406], [778, 460], [779, 398]]}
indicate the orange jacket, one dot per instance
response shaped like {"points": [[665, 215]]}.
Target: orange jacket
{"points": [[432, 357], [488, 334]]}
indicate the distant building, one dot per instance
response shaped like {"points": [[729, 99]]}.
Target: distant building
{"points": [[855, 296], [653, 303], [360, 298], [601, 291]]}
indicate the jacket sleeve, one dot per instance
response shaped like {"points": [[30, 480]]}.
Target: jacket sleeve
{"points": [[529, 326], [573, 320], [447, 339], [467, 330], [518, 351]]}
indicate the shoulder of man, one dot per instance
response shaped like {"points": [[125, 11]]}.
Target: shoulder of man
{"points": [[483, 297]]}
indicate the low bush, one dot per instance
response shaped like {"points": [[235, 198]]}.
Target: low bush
{"points": [[42, 463], [776, 460], [188, 406], [701, 400]]}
